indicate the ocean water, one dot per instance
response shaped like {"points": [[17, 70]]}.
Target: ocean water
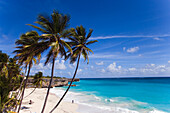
{"points": [[120, 95]]}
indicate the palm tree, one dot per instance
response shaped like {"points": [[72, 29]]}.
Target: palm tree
{"points": [[38, 80], [79, 42], [54, 29], [9, 81], [26, 54], [3, 60]]}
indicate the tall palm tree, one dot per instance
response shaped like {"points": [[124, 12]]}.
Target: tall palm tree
{"points": [[53, 29], [26, 54], [79, 43]]}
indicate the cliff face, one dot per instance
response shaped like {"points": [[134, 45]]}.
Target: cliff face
{"points": [[55, 83]]}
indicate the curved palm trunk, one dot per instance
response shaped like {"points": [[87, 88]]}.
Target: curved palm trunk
{"points": [[30, 93], [18, 93], [24, 86], [68, 87], [49, 86]]}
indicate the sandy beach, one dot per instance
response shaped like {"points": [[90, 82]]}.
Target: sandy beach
{"points": [[38, 99]]}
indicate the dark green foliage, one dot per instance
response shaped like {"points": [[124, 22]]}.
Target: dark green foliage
{"points": [[3, 60], [26, 53], [10, 80], [57, 77], [27, 49], [47, 76], [54, 30], [38, 79], [79, 42]]}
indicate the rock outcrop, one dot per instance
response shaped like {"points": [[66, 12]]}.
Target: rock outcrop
{"points": [[57, 82], [75, 80]]}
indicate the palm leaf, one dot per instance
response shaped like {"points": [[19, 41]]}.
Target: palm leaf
{"points": [[91, 42], [40, 29]]}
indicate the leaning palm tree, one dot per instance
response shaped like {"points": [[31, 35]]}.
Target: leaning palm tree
{"points": [[79, 42], [25, 54], [53, 30], [38, 81]]}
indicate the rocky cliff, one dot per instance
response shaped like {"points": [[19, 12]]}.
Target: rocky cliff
{"points": [[55, 83]]}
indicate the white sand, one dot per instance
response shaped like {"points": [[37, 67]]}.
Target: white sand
{"points": [[38, 100]]}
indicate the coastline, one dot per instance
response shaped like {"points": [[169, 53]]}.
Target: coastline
{"points": [[38, 96], [84, 102], [89, 102]]}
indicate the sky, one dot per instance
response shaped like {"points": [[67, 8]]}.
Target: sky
{"points": [[133, 35]]}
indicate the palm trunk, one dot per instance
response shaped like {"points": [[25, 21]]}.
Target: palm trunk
{"points": [[24, 86], [18, 94], [68, 87], [49, 86], [30, 93], [20, 87]]}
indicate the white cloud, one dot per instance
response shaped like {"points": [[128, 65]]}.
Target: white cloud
{"points": [[132, 50], [100, 63], [41, 66], [132, 69], [130, 36], [4, 36], [69, 73], [140, 55], [71, 66], [60, 65], [102, 56], [169, 61], [74, 64], [124, 48], [156, 38], [103, 71], [79, 71], [147, 70], [153, 69], [113, 68]]}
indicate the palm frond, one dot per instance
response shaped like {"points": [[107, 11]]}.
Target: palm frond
{"points": [[40, 29], [89, 34], [91, 42]]}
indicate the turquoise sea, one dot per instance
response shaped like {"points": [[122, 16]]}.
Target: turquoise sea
{"points": [[120, 95]]}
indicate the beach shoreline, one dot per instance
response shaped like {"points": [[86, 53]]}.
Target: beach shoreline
{"points": [[37, 98]]}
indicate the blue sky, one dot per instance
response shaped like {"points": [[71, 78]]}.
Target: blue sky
{"points": [[133, 35]]}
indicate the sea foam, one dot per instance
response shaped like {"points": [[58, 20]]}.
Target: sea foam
{"points": [[90, 103]]}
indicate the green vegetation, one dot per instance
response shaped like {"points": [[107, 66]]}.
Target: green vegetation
{"points": [[10, 80], [58, 40], [38, 80], [59, 77], [26, 54]]}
